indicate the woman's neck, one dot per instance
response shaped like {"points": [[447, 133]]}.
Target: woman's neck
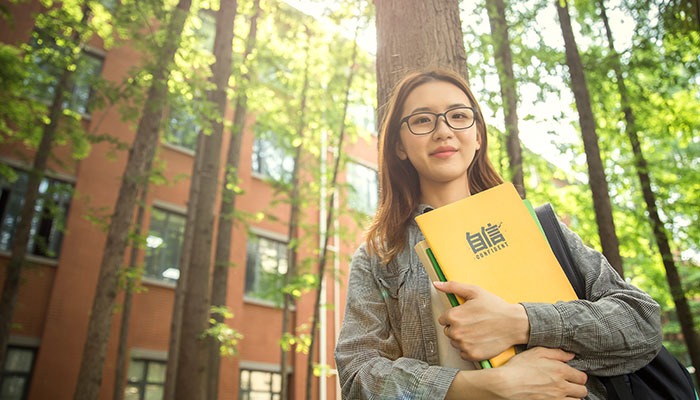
{"points": [[438, 195]]}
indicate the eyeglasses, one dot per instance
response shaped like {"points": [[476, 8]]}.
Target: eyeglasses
{"points": [[425, 122]]}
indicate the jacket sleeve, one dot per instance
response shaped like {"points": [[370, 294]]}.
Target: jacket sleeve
{"points": [[615, 330], [368, 355]]}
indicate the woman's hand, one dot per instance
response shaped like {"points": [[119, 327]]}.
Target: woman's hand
{"points": [[485, 325], [535, 374]]}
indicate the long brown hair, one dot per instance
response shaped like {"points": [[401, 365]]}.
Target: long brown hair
{"points": [[399, 187]]}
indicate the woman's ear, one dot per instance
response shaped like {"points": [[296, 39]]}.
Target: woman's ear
{"points": [[401, 152]]}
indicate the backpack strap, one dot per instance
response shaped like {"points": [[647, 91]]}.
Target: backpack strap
{"points": [[617, 387], [555, 237]]}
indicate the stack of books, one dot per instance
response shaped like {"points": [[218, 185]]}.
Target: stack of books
{"points": [[493, 240]]}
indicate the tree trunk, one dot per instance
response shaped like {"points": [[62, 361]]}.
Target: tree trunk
{"points": [[122, 350], [504, 64], [329, 220], [191, 383], [184, 263], [414, 35], [228, 205], [140, 154], [293, 224], [22, 233], [685, 316], [596, 172]]}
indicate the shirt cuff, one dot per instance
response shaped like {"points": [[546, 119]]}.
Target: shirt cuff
{"points": [[546, 325], [437, 381]]}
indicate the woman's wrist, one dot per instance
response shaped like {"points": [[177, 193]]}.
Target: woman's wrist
{"points": [[475, 384], [521, 325]]}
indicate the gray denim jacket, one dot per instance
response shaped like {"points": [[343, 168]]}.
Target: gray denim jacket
{"points": [[387, 347]]}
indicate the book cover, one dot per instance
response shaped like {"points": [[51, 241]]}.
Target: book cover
{"points": [[491, 240]]}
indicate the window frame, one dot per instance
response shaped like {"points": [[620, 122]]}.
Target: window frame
{"points": [[245, 393], [351, 193], [170, 210], [4, 373], [249, 296], [42, 248], [144, 382]]}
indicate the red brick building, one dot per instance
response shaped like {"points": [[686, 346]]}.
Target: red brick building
{"points": [[54, 302]]}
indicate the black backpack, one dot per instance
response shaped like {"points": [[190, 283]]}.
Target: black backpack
{"points": [[664, 378]]}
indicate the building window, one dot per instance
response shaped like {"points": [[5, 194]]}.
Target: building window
{"points": [[50, 213], [16, 373], [260, 385], [363, 188], [363, 117], [272, 161], [164, 243], [266, 264], [146, 380], [44, 53], [183, 126]]}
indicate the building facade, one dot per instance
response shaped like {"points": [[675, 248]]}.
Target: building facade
{"points": [[60, 276]]}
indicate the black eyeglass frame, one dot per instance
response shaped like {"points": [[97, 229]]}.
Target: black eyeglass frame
{"points": [[437, 117]]}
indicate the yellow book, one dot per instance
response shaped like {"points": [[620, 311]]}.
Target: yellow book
{"points": [[491, 240]]}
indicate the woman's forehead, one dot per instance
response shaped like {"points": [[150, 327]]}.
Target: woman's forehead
{"points": [[435, 96]]}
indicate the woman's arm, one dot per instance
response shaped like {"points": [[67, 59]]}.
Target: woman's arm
{"points": [[616, 330], [369, 356]]}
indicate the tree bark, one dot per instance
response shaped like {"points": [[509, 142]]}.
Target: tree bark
{"points": [[191, 383], [596, 172], [685, 316], [414, 35], [20, 241], [293, 224], [184, 263], [504, 64], [228, 204], [140, 154], [122, 349]]}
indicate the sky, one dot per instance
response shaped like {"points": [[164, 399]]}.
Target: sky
{"points": [[533, 132]]}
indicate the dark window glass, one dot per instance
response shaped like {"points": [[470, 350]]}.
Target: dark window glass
{"points": [[164, 243], [50, 213], [363, 188], [16, 373], [266, 263], [260, 385], [145, 380], [183, 126]]}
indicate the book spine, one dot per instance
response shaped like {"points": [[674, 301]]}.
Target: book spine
{"points": [[453, 299]]}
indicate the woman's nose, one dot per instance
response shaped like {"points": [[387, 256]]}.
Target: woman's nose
{"points": [[442, 130]]}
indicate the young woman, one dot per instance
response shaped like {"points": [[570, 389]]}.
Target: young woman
{"points": [[432, 153]]}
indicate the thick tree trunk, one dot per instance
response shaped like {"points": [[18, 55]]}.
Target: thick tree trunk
{"points": [[329, 221], [685, 316], [596, 172], [293, 224], [140, 154], [226, 210], [22, 233], [504, 64], [122, 349], [191, 383], [414, 35]]}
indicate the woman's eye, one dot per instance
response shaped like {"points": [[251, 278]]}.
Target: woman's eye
{"points": [[459, 115], [422, 120]]}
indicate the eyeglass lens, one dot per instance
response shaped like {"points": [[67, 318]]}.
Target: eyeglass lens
{"points": [[458, 118]]}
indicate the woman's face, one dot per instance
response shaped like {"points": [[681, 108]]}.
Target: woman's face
{"points": [[443, 156]]}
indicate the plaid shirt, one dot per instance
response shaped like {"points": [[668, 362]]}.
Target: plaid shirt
{"points": [[387, 347]]}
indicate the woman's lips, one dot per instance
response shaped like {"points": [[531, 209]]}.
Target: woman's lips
{"points": [[443, 152]]}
